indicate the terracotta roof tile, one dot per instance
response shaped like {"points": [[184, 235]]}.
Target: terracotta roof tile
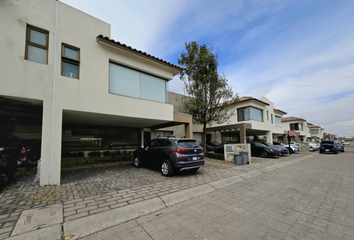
{"points": [[245, 98], [289, 119], [129, 48]]}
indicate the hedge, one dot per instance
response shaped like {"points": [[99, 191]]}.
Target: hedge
{"points": [[81, 161], [218, 156]]}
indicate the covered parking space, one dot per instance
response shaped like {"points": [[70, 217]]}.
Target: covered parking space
{"points": [[21, 124]]}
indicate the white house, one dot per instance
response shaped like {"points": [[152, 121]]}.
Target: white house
{"points": [[67, 84]]}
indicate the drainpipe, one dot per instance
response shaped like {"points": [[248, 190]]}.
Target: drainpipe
{"points": [[53, 92]]}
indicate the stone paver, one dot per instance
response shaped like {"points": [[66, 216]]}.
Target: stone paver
{"points": [[309, 199], [84, 192]]}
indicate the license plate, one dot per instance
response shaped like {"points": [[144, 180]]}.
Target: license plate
{"points": [[195, 158], [327, 150]]}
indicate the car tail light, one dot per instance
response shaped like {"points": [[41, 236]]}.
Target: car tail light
{"points": [[179, 150], [202, 149], [182, 157]]}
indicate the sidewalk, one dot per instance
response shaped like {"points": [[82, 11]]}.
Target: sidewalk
{"points": [[89, 195]]}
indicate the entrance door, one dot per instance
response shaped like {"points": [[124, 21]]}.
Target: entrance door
{"points": [[147, 137]]}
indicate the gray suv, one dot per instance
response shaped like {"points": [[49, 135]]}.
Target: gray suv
{"points": [[170, 154]]}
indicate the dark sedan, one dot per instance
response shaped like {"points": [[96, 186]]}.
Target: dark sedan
{"points": [[282, 150], [259, 149]]}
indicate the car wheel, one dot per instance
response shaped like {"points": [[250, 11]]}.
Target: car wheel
{"points": [[193, 170], [335, 152], [137, 162], [264, 154], [166, 168]]}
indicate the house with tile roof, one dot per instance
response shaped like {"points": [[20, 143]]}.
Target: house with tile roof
{"points": [[66, 84]]}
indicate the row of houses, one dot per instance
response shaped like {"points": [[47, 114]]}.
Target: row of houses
{"points": [[68, 86], [252, 119]]}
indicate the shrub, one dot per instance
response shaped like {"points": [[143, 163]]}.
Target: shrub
{"points": [[218, 156], [94, 154], [81, 161]]}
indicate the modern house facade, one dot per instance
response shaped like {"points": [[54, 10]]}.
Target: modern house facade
{"points": [[299, 125], [316, 132], [67, 84], [251, 118]]}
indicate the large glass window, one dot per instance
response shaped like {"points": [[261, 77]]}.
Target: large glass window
{"points": [[37, 45], [296, 126], [314, 131], [277, 121], [70, 57], [132, 83], [249, 113]]}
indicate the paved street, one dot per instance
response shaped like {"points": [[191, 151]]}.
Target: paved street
{"points": [[302, 196], [310, 199]]}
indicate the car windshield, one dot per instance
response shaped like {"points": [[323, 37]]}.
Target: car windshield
{"points": [[259, 144], [187, 143]]}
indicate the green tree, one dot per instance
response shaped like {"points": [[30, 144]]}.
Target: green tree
{"points": [[209, 96]]}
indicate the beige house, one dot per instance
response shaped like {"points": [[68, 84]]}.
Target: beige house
{"points": [[299, 125], [316, 132], [251, 118], [68, 85]]}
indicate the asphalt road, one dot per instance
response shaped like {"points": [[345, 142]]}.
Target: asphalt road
{"points": [[309, 199]]}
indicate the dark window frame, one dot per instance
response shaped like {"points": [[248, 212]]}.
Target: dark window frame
{"points": [[243, 114], [28, 42], [70, 60]]}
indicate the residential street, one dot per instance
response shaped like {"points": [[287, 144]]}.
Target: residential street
{"points": [[310, 199], [302, 196]]}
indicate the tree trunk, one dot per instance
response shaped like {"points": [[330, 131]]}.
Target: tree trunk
{"points": [[204, 137]]}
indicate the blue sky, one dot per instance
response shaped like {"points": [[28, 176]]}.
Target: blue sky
{"points": [[299, 54]]}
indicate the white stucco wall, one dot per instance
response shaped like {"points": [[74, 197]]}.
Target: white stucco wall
{"points": [[21, 78]]}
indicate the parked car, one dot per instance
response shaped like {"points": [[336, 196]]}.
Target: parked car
{"points": [[282, 150], [313, 146], [215, 147], [328, 146], [8, 163], [292, 149], [170, 154], [346, 143], [259, 149], [339, 146]]}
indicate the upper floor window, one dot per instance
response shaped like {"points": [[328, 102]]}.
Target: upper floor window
{"points": [[277, 121], [314, 131], [70, 61], [296, 126], [133, 83], [37, 45], [249, 113], [271, 118]]}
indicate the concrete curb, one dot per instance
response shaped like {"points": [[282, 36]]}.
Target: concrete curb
{"points": [[50, 232], [85, 226], [184, 195]]}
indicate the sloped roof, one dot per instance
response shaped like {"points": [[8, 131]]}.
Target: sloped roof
{"points": [[290, 119], [278, 110], [117, 44], [245, 98]]}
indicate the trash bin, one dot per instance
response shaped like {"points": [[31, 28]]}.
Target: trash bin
{"points": [[244, 157], [238, 159]]}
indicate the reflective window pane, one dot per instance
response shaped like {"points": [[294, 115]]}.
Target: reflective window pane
{"points": [[70, 70], [71, 53], [153, 88], [256, 114], [38, 37], [124, 81], [36, 54]]}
